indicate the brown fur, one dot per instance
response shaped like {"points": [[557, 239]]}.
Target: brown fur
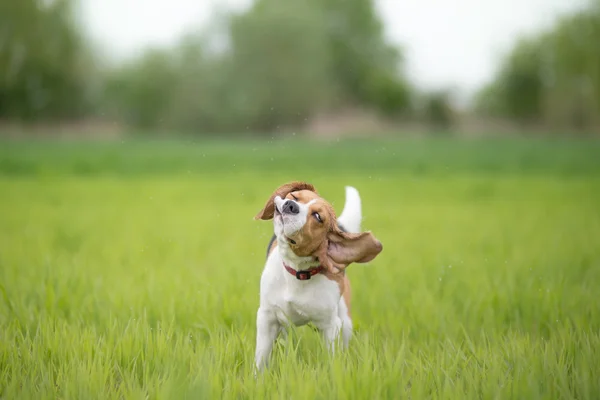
{"points": [[347, 293], [310, 237]]}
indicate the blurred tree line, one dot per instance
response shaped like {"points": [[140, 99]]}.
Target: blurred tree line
{"points": [[45, 63], [552, 78], [277, 64]]}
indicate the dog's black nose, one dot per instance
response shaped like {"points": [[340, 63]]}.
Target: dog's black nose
{"points": [[290, 207]]}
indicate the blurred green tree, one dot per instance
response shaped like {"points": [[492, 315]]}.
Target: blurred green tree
{"points": [[44, 61], [367, 68], [139, 91], [552, 77], [438, 111], [518, 88], [281, 67]]}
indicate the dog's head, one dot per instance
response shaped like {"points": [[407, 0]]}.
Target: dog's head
{"points": [[307, 223]]}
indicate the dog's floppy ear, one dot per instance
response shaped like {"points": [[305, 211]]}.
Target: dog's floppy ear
{"points": [[282, 191], [342, 249]]}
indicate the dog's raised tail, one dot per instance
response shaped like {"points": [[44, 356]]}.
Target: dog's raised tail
{"points": [[351, 217]]}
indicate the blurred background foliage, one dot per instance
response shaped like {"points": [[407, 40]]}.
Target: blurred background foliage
{"points": [[552, 77], [279, 66], [46, 66]]}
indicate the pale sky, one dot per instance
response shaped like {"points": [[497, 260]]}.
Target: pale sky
{"points": [[447, 43]]}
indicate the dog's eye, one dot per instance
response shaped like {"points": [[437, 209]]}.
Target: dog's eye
{"points": [[317, 216], [294, 197]]}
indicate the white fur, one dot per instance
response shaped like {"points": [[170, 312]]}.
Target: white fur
{"points": [[285, 300], [351, 216]]}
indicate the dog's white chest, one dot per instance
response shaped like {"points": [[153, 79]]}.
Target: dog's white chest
{"points": [[304, 301], [298, 302]]}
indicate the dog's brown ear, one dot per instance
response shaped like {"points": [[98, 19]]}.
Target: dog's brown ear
{"points": [[343, 249], [282, 191]]}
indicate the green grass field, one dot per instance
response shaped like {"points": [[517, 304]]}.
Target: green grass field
{"points": [[131, 270]]}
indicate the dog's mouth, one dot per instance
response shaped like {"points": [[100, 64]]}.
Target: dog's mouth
{"points": [[287, 238], [279, 217]]}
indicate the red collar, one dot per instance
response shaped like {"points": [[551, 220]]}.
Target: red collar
{"points": [[303, 275]]}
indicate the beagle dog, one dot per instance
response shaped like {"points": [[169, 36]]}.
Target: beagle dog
{"points": [[304, 279]]}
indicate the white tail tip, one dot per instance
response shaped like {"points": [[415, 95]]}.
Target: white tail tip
{"points": [[351, 216]]}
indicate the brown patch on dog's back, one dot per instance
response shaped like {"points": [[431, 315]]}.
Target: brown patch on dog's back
{"points": [[344, 284], [347, 294]]}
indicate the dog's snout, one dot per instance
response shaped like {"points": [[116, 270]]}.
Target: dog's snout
{"points": [[290, 207]]}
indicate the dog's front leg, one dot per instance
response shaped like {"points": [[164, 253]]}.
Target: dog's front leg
{"points": [[267, 329], [331, 332]]}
